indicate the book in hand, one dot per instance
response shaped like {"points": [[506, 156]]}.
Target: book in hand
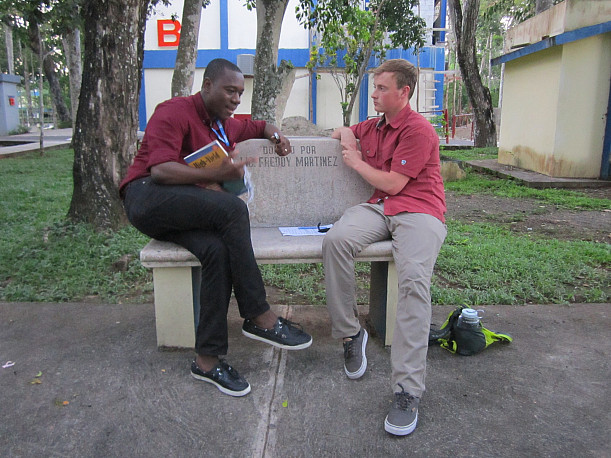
{"points": [[211, 156]]}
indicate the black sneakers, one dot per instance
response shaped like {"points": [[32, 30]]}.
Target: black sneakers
{"points": [[403, 415], [355, 360], [225, 377], [285, 334]]}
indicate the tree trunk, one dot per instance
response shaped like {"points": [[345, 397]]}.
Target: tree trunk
{"points": [[8, 36], [184, 69], [72, 48], [41, 104], [489, 61], [465, 24], [54, 116], [26, 85], [48, 66], [456, 77], [105, 137], [55, 89], [484, 64], [272, 84], [347, 112]]}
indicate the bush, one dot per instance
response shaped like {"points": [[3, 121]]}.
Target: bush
{"points": [[19, 130]]}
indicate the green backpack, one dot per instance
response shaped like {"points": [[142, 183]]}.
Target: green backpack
{"points": [[464, 341]]}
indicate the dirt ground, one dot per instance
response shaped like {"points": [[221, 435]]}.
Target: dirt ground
{"points": [[533, 216]]}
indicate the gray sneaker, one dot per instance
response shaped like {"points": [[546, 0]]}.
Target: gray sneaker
{"points": [[355, 360], [403, 415]]}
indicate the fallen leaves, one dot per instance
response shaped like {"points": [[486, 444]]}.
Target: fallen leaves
{"points": [[37, 380]]}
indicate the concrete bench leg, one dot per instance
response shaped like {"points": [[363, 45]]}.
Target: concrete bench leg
{"points": [[175, 302], [383, 296]]}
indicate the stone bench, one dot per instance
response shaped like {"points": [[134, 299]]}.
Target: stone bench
{"points": [[309, 186]]}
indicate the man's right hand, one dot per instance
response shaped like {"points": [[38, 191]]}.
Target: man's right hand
{"points": [[346, 138], [230, 169]]}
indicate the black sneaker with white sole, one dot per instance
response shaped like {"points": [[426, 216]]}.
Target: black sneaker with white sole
{"points": [[224, 377], [403, 415], [355, 359], [285, 334]]}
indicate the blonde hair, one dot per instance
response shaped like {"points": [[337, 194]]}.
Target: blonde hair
{"points": [[405, 73]]}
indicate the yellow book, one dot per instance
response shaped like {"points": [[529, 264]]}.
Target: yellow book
{"points": [[210, 155]]}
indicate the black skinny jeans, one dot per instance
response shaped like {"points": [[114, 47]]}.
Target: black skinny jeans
{"points": [[215, 227]]}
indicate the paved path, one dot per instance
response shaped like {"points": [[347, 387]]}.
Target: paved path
{"points": [[535, 179], [105, 390], [26, 143]]}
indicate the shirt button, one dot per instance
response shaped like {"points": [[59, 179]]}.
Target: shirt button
{"points": [[386, 197]]}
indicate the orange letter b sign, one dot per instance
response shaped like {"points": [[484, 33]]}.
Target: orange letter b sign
{"points": [[168, 32]]}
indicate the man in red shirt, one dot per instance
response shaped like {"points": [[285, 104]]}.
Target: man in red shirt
{"points": [[166, 199], [399, 156]]}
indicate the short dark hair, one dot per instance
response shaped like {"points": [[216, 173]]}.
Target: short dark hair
{"points": [[406, 74], [216, 67]]}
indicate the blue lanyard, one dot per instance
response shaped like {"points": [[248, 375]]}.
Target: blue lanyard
{"points": [[222, 136]]}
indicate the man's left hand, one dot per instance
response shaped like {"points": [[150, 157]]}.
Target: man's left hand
{"points": [[283, 147]]}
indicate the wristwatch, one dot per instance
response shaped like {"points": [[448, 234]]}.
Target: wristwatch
{"points": [[275, 138]]}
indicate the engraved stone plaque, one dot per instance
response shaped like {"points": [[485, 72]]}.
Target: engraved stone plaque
{"points": [[309, 186]]}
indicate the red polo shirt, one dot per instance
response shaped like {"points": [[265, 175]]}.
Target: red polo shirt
{"points": [[180, 126], [408, 145]]}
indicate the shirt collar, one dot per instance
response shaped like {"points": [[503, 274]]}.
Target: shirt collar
{"points": [[401, 117]]}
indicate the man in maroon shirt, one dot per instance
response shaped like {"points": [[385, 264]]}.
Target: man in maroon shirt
{"points": [[166, 199], [399, 157]]}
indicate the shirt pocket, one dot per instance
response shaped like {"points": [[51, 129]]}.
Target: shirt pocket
{"points": [[368, 148]]}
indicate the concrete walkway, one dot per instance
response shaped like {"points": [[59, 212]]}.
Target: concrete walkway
{"points": [[88, 380], [534, 179], [17, 145]]}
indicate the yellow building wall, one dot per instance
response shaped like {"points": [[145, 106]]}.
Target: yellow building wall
{"points": [[583, 99], [554, 109], [528, 115]]}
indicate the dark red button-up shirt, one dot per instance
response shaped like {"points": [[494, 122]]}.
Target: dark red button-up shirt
{"points": [[409, 145], [180, 126]]}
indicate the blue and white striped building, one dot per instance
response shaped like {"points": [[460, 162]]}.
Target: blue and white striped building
{"points": [[228, 30]]}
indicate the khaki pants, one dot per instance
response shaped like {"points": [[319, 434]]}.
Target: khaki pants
{"points": [[416, 241]]}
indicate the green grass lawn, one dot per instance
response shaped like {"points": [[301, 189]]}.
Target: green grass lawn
{"points": [[468, 154], [476, 183], [45, 258]]}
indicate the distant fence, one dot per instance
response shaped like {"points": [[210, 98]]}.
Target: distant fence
{"points": [[439, 119], [441, 122], [462, 120]]}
